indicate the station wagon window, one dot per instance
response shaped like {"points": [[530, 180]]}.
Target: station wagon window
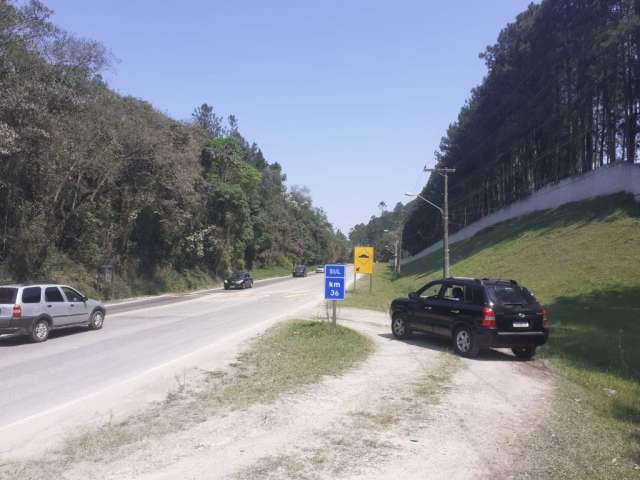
{"points": [[31, 295], [8, 295], [431, 292], [72, 295], [52, 294]]}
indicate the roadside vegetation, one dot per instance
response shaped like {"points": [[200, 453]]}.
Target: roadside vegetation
{"points": [[287, 357], [95, 185], [559, 99], [581, 260]]}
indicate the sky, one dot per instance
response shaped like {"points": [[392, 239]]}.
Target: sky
{"points": [[350, 97]]}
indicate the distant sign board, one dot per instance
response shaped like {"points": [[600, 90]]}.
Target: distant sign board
{"points": [[334, 282], [363, 259]]}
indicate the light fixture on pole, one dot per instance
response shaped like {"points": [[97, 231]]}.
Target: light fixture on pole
{"points": [[444, 211]]}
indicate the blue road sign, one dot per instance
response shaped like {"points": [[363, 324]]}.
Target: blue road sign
{"points": [[334, 282]]}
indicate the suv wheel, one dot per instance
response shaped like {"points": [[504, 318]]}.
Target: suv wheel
{"points": [[524, 353], [40, 331], [399, 327], [97, 320], [465, 343]]}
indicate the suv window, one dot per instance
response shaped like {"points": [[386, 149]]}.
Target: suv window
{"points": [[72, 295], [507, 295], [52, 294], [478, 296], [431, 291], [456, 293], [8, 295], [31, 295]]}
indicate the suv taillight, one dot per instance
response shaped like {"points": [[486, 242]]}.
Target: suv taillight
{"points": [[17, 311], [545, 318], [488, 318]]}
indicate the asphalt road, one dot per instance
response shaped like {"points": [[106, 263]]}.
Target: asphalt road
{"points": [[137, 336]]}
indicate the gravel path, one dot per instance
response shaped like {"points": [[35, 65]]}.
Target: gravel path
{"points": [[412, 410]]}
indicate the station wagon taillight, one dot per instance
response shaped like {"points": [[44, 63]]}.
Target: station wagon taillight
{"points": [[488, 318], [17, 311], [545, 318]]}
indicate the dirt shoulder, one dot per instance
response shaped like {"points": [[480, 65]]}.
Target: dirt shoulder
{"points": [[411, 410]]}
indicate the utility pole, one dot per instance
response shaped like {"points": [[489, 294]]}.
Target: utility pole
{"points": [[445, 215], [444, 211]]}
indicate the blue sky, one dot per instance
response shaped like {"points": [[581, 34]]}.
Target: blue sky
{"points": [[351, 97]]}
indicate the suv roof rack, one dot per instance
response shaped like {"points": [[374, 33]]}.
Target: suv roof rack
{"points": [[500, 280], [469, 279]]}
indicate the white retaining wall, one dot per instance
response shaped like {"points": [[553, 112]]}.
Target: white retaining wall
{"points": [[618, 177]]}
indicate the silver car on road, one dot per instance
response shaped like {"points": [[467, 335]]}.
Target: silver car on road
{"points": [[36, 309]]}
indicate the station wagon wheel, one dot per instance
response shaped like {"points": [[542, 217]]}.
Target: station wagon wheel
{"points": [[399, 327], [97, 320], [465, 343], [40, 331]]}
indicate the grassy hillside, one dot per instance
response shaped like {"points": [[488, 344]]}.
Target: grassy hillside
{"points": [[582, 260]]}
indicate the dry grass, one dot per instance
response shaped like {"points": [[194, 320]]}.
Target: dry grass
{"points": [[287, 357], [362, 437]]}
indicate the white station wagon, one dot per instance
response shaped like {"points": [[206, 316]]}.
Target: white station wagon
{"points": [[36, 309]]}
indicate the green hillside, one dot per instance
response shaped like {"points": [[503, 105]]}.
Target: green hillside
{"points": [[582, 260]]}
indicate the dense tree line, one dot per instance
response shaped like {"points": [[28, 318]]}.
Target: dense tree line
{"points": [[89, 177], [561, 97], [380, 232]]}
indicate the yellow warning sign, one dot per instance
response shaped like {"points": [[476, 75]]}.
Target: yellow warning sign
{"points": [[363, 259]]}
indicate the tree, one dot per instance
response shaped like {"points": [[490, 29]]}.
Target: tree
{"points": [[89, 177], [205, 117], [561, 97]]}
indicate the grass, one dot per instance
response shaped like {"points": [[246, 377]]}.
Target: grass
{"points": [[582, 260], [270, 272], [63, 269], [287, 357]]}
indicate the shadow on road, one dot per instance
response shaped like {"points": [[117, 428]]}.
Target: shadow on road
{"points": [[440, 344], [17, 340]]}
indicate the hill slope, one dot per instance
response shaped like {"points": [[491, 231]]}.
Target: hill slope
{"points": [[582, 260]]}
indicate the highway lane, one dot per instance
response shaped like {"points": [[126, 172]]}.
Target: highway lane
{"points": [[170, 298], [140, 336]]}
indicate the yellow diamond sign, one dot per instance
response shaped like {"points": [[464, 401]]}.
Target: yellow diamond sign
{"points": [[363, 259]]}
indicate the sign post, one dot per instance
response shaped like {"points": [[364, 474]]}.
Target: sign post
{"points": [[334, 283]]}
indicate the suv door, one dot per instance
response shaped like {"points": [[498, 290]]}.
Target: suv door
{"points": [[56, 306], [77, 310], [422, 308], [455, 304]]}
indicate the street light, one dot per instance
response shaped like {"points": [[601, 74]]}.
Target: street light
{"points": [[396, 259], [443, 211]]}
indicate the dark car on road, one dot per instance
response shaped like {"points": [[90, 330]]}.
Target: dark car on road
{"points": [[299, 271], [238, 280], [476, 314]]}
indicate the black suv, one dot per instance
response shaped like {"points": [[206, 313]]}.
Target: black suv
{"points": [[238, 280], [299, 271], [475, 313]]}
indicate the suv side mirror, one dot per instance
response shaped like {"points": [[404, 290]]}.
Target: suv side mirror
{"points": [[414, 296], [85, 298]]}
